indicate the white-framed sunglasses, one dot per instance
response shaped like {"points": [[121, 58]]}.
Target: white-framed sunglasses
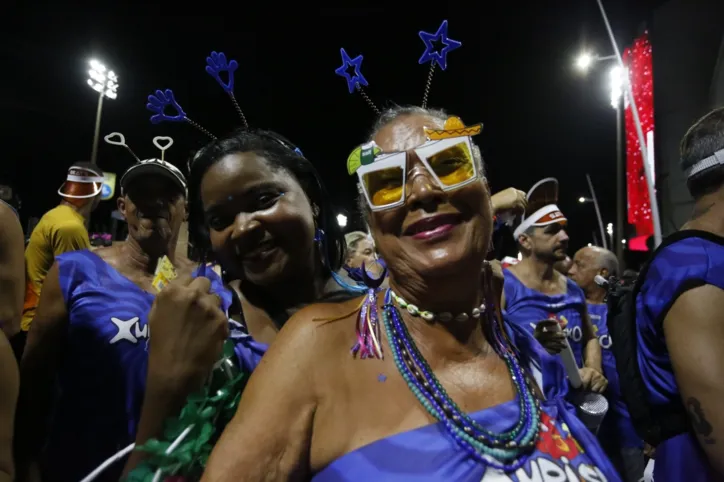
{"points": [[450, 162]]}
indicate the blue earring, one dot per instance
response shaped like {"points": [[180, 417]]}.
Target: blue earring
{"points": [[319, 238]]}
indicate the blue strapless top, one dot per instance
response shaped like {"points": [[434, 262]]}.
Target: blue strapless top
{"points": [[566, 450], [693, 258], [102, 378], [617, 427], [525, 307]]}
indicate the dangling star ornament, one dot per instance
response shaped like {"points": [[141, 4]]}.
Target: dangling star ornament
{"points": [[432, 55], [355, 80]]}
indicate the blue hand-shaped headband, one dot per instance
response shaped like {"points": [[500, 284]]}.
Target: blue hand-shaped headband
{"points": [[216, 64], [158, 102]]}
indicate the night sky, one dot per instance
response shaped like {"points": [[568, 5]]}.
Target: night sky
{"points": [[514, 73]]}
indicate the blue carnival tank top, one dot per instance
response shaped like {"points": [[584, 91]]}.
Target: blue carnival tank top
{"points": [[525, 307], [565, 451], [692, 259], [102, 377], [617, 427]]}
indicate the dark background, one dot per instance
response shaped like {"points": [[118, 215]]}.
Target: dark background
{"points": [[514, 73]]}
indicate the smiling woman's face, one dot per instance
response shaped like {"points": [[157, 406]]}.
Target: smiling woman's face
{"points": [[260, 220], [435, 233]]}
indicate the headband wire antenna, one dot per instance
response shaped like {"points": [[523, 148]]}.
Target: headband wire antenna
{"points": [[157, 103], [159, 141], [355, 80], [118, 139], [216, 64], [433, 55]]}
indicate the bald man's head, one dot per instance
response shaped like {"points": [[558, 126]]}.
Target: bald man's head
{"points": [[589, 262]]}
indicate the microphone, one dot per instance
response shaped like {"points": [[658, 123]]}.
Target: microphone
{"points": [[590, 407], [601, 281]]}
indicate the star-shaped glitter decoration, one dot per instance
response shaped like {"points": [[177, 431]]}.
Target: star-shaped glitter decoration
{"points": [[432, 55], [356, 79]]}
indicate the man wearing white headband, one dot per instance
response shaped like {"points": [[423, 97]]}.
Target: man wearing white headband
{"points": [[535, 291], [63, 228]]}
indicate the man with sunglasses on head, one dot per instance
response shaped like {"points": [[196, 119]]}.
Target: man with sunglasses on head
{"points": [[535, 291]]}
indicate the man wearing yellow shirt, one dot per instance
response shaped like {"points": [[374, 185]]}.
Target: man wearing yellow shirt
{"points": [[63, 228]]}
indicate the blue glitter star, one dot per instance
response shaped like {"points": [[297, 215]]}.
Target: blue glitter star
{"points": [[381, 377], [343, 71], [430, 54]]}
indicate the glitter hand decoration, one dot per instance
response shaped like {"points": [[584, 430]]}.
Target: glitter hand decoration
{"points": [[432, 55], [356, 80], [158, 102], [216, 63]]}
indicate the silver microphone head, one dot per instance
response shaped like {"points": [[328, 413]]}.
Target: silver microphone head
{"points": [[591, 408], [600, 280]]}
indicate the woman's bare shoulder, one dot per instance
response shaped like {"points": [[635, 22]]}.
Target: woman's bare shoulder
{"points": [[321, 324]]}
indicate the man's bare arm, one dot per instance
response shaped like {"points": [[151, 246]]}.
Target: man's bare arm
{"points": [[12, 270], [9, 381], [46, 340], [694, 335], [591, 346]]}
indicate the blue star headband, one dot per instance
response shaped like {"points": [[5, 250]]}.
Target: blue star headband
{"points": [[216, 64], [434, 54]]}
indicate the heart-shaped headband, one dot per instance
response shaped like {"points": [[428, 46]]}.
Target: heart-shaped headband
{"points": [[161, 142]]}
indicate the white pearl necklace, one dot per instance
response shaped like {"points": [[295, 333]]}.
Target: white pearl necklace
{"points": [[430, 316]]}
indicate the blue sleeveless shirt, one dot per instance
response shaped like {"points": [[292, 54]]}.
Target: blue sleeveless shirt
{"points": [[617, 428], [525, 307], [693, 259], [102, 377], [565, 451]]}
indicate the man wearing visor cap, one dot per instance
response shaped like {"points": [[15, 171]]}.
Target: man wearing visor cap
{"points": [[63, 228], [535, 291]]}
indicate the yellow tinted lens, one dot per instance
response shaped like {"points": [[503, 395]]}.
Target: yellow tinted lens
{"points": [[453, 165], [384, 186]]}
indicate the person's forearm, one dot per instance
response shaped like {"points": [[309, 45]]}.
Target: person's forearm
{"points": [[159, 403], [592, 355]]}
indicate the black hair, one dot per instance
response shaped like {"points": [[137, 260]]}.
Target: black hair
{"points": [[280, 154], [702, 140]]}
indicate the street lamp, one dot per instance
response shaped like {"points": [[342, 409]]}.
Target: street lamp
{"points": [[594, 200], [617, 78], [105, 82], [586, 60], [341, 220]]}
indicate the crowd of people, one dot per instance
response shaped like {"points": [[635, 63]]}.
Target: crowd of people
{"points": [[399, 353]]}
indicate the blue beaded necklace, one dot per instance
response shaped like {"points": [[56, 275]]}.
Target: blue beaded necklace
{"points": [[503, 451]]}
